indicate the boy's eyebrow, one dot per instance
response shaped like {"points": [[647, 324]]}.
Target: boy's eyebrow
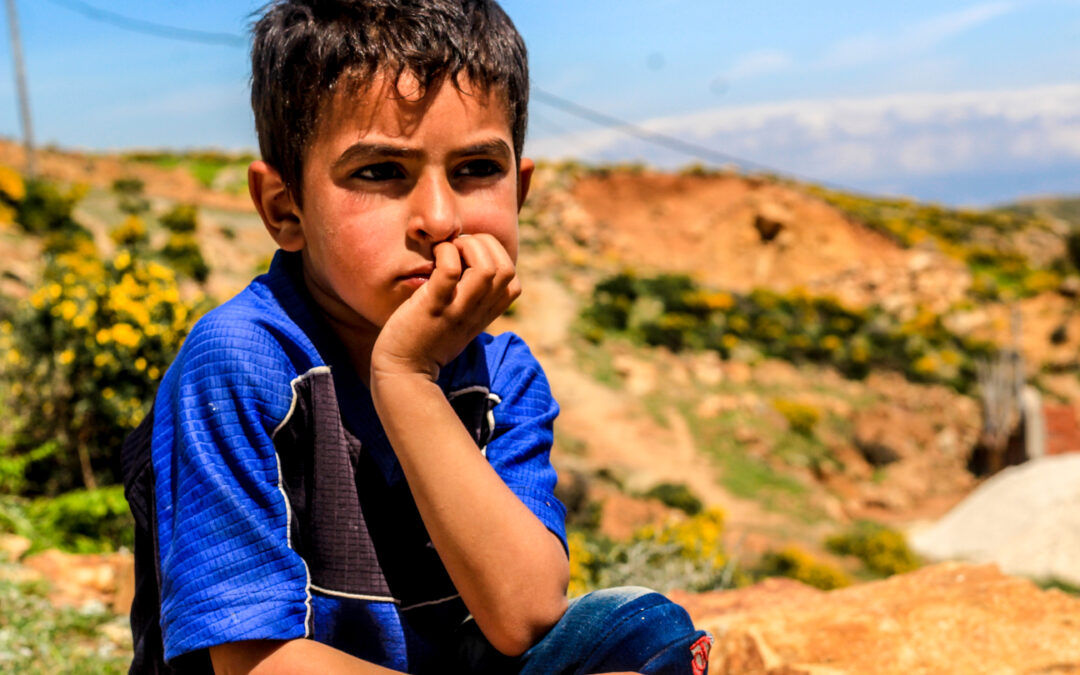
{"points": [[495, 146], [362, 151]]}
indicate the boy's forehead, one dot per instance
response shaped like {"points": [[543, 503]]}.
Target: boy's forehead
{"points": [[396, 107]]}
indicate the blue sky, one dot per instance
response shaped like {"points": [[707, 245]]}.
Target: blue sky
{"points": [[962, 102]]}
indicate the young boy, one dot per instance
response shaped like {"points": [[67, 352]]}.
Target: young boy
{"points": [[342, 472]]}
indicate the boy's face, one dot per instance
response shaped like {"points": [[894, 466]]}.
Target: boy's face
{"points": [[386, 177]]}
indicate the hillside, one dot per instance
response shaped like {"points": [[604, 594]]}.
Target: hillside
{"points": [[847, 397]]}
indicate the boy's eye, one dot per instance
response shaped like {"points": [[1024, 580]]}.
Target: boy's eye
{"points": [[381, 171], [480, 168]]}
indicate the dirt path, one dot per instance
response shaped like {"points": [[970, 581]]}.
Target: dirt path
{"points": [[617, 432]]}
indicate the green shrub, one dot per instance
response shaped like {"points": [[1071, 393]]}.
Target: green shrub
{"points": [[83, 521], [801, 418], [46, 209], [674, 312], [181, 219], [129, 193], [184, 255], [883, 551], [794, 563], [677, 496]]}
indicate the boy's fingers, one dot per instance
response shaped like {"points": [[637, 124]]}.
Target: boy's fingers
{"points": [[444, 278], [484, 254]]}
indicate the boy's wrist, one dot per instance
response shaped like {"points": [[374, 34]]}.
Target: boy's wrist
{"points": [[387, 366]]}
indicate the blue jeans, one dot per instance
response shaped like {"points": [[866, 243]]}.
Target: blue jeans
{"points": [[628, 628]]}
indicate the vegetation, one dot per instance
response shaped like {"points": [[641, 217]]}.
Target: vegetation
{"points": [[673, 311], [677, 496], [984, 239], [39, 639], [79, 521], [794, 563], [687, 554], [205, 165], [82, 355], [883, 551]]}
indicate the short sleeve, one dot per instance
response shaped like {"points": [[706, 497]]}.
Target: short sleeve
{"points": [[520, 446], [228, 571]]}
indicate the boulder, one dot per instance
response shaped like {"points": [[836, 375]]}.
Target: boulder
{"points": [[952, 618]]}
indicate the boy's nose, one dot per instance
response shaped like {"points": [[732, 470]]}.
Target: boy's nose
{"points": [[434, 214]]}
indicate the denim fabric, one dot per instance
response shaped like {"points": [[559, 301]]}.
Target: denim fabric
{"points": [[618, 629]]}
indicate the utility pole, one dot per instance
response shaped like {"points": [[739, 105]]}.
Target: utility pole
{"points": [[20, 85]]}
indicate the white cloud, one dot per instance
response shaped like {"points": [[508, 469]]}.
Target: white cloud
{"points": [[757, 63], [888, 138], [860, 50]]}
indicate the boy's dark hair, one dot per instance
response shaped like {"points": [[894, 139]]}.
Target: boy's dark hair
{"points": [[302, 48]]}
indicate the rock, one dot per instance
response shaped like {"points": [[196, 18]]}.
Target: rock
{"points": [[1026, 519], [78, 580], [640, 376], [949, 618], [12, 547], [1070, 287]]}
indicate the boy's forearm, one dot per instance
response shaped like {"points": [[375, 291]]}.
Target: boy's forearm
{"points": [[510, 570], [288, 657]]}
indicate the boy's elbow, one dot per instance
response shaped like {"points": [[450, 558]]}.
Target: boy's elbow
{"points": [[515, 637]]}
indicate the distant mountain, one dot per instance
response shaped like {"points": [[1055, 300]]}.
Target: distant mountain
{"points": [[1062, 208]]}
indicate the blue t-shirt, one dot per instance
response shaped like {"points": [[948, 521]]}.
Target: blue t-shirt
{"points": [[270, 505]]}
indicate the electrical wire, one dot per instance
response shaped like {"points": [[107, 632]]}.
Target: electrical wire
{"points": [[666, 141], [150, 27]]}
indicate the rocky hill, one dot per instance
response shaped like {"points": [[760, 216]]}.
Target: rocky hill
{"points": [[793, 447]]}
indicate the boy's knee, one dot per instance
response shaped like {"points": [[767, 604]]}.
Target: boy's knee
{"points": [[637, 629]]}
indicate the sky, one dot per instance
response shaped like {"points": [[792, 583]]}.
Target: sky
{"points": [[960, 102]]}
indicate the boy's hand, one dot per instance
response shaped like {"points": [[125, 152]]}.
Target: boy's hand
{"points": [[474, 281]]}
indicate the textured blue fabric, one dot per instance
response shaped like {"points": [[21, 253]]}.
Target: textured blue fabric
{"points": [[227, 567]]}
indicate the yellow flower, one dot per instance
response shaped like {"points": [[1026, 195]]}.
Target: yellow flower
{"points": [[107, 393], [153, 372], [122, 260], [14, 357], [67, 310], [66, 357], [126, 335], [103, 336], [11, 184], [140, 363]]}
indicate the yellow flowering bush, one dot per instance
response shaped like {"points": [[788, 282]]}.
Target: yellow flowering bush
{"points": [[801, 417], [83, 355], [687, 554], [883, 551], [794, 563], [675, 312]]}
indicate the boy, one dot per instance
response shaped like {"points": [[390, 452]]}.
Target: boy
{"points": [[340, 453]]}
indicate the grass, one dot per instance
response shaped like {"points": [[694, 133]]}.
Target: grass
{"points": [[36, 638]]}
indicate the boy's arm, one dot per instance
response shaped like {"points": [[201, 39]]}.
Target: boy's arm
{"points": [[510, 570], [287, 657]]}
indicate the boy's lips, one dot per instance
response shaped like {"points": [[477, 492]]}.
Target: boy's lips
{"points": [[418, 276]]}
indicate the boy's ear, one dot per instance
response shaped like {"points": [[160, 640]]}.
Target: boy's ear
{"points": [[275, 205], [525, 174]]}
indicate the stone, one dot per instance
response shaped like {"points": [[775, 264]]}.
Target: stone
{"points": [[76, 580], [13, 547], [952, 618]]}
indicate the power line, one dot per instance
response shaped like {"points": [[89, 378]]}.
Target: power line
{"points": [[672, 143], [150, 27], [663, 140]]}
